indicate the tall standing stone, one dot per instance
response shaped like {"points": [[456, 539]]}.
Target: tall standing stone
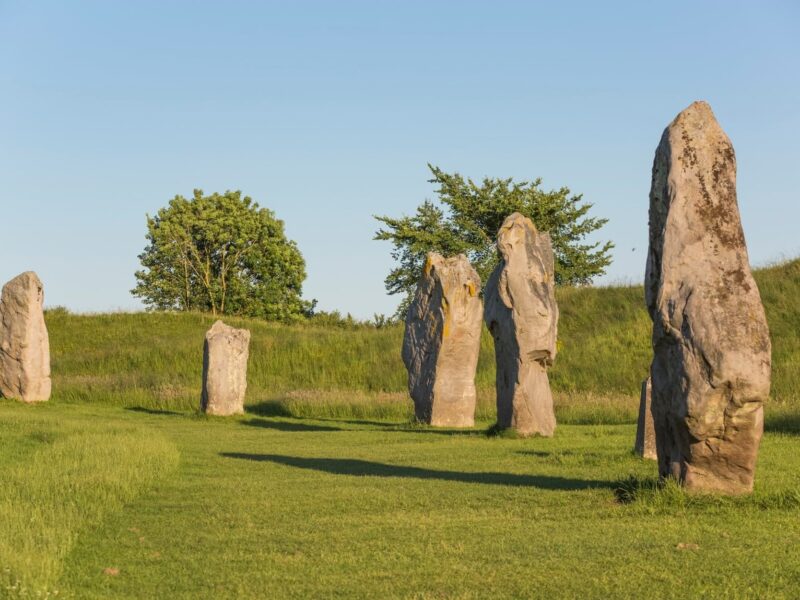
{"points": [[225, 355], [712, 354], [24, 343], [522, 314], [645, 429], [442, 342]]}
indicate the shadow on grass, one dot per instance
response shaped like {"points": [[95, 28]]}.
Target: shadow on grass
{"points": [[564, 453], [154, 411], [360, 468], [385, 424], [405, 427], [275, 408], [269, 408], [539, 453], [783, 423], [288, 426]]}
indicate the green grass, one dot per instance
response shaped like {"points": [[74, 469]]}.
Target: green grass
{"points": [[117, 488], [275, 507], [59, 478], [154, 360]]}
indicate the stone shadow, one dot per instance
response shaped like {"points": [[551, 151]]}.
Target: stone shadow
{"points": [[360, 468], [268, 408], [405, 427], [154, 411], [274, 408], [783, 423], [385, 424], [537, 453], [566, 452], [288, 426]]}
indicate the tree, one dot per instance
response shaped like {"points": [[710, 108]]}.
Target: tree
{"points": [[467, 216], [221, 254]]}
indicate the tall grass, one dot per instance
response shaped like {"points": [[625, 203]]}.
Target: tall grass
{"points": [[154, 359], [576, 408]]}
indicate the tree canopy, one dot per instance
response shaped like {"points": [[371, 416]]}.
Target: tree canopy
{"points": [[465, 219], [222, 254]]}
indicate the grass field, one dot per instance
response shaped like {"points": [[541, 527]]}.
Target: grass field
{"points": [[270, 507], [117, 488]]}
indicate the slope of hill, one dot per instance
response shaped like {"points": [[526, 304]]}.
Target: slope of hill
{"points": [[154, 360]]}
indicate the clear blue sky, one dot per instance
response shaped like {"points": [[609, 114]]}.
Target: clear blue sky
{"points": [[328, 112]]}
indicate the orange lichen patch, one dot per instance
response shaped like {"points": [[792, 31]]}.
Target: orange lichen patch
{"points": [[471, 289], [428, 266], [446, 317]]}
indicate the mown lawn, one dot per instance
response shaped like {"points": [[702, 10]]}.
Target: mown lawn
{"points": [[175, 505]]}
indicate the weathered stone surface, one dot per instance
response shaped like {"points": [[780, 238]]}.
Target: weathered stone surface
{"points": [[24, 343], [712, 354], [225, 355], [442, 342], [522, 314], [645, 430]]}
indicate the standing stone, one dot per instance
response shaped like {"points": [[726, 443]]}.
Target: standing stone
{"points": [[712, 354], [645, 430], [24, 343], [225, 356], [442, 342], [522, 314]]}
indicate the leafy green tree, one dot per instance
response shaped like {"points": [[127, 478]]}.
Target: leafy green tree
{"points": [[466, 218], [221, 254]]}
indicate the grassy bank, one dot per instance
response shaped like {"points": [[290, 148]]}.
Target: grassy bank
{"points": [[154, 360]]}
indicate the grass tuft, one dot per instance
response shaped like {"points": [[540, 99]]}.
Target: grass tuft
{"points": [[653, 496]]}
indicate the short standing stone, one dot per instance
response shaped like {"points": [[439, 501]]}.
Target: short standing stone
{"points": [[442, 342], [711, 347], [645, 432], [24, 343], [225, 356], [522, 314]]}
